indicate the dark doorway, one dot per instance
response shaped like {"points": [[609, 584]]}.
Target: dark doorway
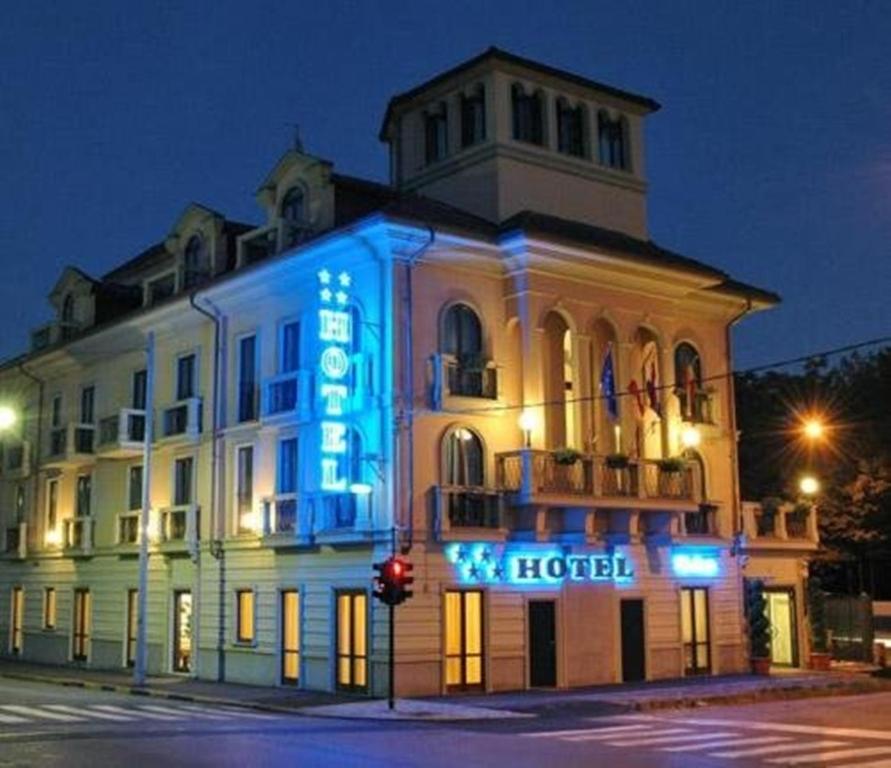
{"points": [[542, 644], [633, 648]]}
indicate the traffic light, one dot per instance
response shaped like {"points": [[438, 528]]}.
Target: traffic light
{"points": [[392, 580]]}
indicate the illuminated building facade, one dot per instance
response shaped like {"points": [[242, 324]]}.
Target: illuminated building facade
{"points": [[487, 354]]}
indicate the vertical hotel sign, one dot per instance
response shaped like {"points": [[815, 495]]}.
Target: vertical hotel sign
{"points": [[336, 337]]}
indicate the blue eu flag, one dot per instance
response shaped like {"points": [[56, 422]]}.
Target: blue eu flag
{"points": [[608, 385]]}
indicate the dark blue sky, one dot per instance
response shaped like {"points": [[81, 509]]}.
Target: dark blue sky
{"points": [[771, 157]]}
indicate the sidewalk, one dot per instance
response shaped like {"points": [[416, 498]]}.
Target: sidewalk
{"points": [[735, 689]]}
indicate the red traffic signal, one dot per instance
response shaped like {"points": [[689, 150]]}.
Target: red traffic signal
{"points": [[392, 579]]}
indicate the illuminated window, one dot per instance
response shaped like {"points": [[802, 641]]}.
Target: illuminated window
{"points": [[84, 495], [16, 628], [463, 459], [688, 382], [695, 630], [570, 129], [352, 653], [49, 608], [134, 494], [132, 620], [473, 117], [464, 639], [245, 631], [290, 636], [80, 625], [436, 134], [52, 503], [528, 118], [244, 489]]}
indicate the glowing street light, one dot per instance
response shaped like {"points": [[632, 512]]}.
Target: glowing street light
{"points": [[691, 437], [809, 485], [8, 418], [813, 429], [527, 423]]}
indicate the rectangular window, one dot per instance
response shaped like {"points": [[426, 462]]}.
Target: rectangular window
{"points": [[473, 118], [87, 405], [244, 612], [134, 488], [80, 625], [527, 116], [464, 639], [290, 636], [56, 412], [52, 503], [244, 489], [695, 630], [160, 289], [16, 629], [247, 378], [290, 350], [132, 623], [352, 655], [570, 129], [185, 377], [84, 495], [182, 481], [436, 134], [137, 395], [49, 608], [287, 466], [20, 503]]}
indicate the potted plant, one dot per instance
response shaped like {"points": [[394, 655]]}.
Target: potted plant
{"points": [[770, 508], [566, 457], [617, 461], [816, 606], [759, 627], [673, 464]]}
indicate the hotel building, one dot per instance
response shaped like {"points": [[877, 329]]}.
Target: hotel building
{"points": [[430, 361]]}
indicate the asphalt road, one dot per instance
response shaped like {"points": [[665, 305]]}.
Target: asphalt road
{"points": [[49, 725]]}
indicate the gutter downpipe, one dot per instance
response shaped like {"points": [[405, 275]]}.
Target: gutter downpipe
{"points": [[409, 394], [215, 549], [737, 500], [35, 471]]}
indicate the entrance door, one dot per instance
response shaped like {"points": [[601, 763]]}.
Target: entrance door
{"points": [[633, 644], [542, 644], [290, 636], [780, 610], [182, 631], [18, 618]]}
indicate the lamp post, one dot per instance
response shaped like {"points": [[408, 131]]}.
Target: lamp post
{"points": [[527, 422]]}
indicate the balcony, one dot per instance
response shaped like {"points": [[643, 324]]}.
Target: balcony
{"points": [[17, 460], [286, 521], [475, 379], [182, 420], [15, 544], [467, 513], [701, 410], [776, 525], [179, 528], [78, 536], [267, 241], [71, 444], [122, 435], [287, 395], [128, 528]]}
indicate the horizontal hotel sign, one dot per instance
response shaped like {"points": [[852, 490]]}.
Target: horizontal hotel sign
{"points": [[524, 565]]}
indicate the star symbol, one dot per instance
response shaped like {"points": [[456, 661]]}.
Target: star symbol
{"points": [[461, 555], [485, 555], [324, 277], [341, 297], [473, 571], [344, 279], [498, 571], [325, 294]]}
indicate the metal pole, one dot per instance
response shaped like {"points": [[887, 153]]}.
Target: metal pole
{"points": [[391, 698], [144, 518]]}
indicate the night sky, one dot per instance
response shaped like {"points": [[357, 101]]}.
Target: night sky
{"points": [[771, 157]]}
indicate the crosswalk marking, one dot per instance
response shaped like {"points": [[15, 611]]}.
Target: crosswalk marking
{"points": [[811, 730], [838, 754], [711, 742], [21, 709], [798, 746], [179, 713], [123, 711], [595, 736], [12, 719], [580, 731], [648, 742], [64, 709], [225, 712]]}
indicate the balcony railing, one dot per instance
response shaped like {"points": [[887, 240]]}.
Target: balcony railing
{"points": [[71, 442], [780, 524], [338, 511], [180, 524], [16, 541], [452, 377], [287, 393], [286, 519], [182, 419], [534, 473], [125, 428], [700, 410], [467, 508], [128, 528], [78, 534]]}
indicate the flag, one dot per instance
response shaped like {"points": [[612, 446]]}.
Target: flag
{"points": [[635, 392], [608, 384], [652, 391]]}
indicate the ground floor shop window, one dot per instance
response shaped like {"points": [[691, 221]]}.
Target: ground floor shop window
{"points": [[464, 639], [290, 612], [182, 631], [780, 609], [16, 638], [80, 632], [695, 630], [244, 599], [49, 608], [132, 622], [352, 653]]}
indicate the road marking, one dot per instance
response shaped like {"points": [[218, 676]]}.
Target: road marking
{"points": [[12, 719], [133, 712], [179, 713], [811, 730], [65, 709], [735, 742], [580, 731], [594, 736], [797, 746], [21, 709], [838, 754], [648, 742]]}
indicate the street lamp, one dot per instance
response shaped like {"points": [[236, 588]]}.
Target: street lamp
{"points": [[809, 485], [8, 418], [691, 437], [814, 429], [527, 423]]}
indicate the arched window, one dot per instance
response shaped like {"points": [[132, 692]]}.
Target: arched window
{"points": [[528, 117], [473, 116], [688, 381], [560, 383], [293, 205], [463, 459], [462, 332], [196, 262], [570, 129], [68, 308], [469, 374], [612, 141]]}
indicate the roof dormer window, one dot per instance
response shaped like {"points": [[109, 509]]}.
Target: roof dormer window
{"points": [[196, 262], [528, 115], [473, 117], [436, 134], [68, 323], [613, 142], [294, 205], [570, 129]]}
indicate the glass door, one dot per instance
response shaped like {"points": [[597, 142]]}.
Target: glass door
{"points": [[695, 631], [290, 613], [182, 631], [780, 609]]}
